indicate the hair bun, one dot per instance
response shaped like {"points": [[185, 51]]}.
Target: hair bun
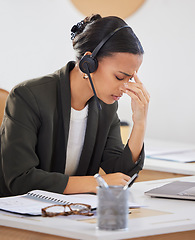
{"points": [[92, 18], [80, 26]]}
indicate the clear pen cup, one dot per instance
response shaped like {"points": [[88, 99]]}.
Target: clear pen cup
{"points": [[113, 208]]}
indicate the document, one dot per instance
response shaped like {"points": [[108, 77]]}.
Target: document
{"points": [[170, 151], [32, 202], [186, 156]]}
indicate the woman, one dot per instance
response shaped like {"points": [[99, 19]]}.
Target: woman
{"points": [[55, 136]]}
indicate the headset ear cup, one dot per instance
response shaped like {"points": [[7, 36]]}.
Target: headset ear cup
{"points": [[91, 62]]}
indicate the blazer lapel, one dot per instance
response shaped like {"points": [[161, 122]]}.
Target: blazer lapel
{"points": [[90, 138], [64, 121]]}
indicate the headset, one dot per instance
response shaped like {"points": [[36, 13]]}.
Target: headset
{"points": [[89, 64]]}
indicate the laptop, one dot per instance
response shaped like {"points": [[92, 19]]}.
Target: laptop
{"points": [[176, 190]]}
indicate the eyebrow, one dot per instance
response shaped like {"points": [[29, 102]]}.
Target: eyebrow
{"points": [[126, 74]]}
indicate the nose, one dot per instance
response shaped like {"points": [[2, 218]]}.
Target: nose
{"points": [[123, 87]]}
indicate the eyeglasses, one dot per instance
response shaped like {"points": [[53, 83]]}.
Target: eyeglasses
{"points": [[67, 209]]}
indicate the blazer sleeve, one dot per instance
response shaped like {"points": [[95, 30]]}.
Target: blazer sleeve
{"points": [[116, 156], [19, 161]]}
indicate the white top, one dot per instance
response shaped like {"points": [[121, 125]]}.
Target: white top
{"points": [[78, 123]]}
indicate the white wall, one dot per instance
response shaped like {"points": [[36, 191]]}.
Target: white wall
{"points": [[35, 40]]}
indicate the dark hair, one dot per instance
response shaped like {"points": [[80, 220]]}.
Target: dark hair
{"points": [[88, 33]]}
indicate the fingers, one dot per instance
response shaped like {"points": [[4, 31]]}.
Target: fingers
{"points": [[138, 89], [139, 100], [137, 94], [136, 78], [116, 179], [142, 87]]}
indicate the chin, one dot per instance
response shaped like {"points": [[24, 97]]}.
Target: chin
{"points": [[108, 101]]}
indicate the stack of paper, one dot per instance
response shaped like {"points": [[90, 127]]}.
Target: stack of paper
{"points": [[170, 151], [179, 156]]}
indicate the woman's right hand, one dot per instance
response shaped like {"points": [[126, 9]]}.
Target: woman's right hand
{"points": [[84, 184], [116, 178]]}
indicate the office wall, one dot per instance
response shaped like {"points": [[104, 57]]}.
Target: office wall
{"points": [[35, 40]]}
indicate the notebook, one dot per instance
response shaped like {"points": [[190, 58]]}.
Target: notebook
{"points": [[32, 202], [176, 190]]}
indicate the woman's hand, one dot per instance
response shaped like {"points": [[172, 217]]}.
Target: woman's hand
{"points": [[139, 100], [84, 184], [139, 103], [118, 178]]}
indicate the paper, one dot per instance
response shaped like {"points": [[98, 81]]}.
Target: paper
{"points": [[27, 204], [170, 151], [34, 201], [179, 156]]}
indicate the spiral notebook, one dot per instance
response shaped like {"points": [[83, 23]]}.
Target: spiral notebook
{"points": [[32, 202]]}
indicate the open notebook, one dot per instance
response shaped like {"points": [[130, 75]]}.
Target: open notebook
{"points": [[32, 202], [176, 189]]}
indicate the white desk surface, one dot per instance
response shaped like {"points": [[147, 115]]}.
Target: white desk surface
{"points": [[178, 215], [168, 166]]}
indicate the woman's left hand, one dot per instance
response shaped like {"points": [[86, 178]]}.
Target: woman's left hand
{"points": [[139, 100]]}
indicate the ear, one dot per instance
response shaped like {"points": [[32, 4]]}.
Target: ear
{"points": [[87, 53]]}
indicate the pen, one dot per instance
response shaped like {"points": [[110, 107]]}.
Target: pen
{"points": [[100, 181], [131, 181]]}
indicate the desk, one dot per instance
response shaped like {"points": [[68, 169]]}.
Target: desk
{"points": [[163, 219]]}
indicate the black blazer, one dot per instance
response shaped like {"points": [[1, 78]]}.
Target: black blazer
{"points": [[34, 136]]}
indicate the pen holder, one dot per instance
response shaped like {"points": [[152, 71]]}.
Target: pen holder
{"points": [[113, 209]]}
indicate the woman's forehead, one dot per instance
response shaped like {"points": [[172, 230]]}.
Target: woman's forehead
{"points": [[123, 62]]}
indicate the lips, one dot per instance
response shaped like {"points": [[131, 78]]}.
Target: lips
{"points": [[116, 98]]}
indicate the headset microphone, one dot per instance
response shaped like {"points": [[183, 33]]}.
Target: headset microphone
{"points": [[88, 74], [89, 64]]}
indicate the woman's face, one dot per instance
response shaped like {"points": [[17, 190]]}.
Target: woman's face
{"points": [[112, 73]]}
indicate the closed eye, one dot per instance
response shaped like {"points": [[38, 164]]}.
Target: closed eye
{"points": [[120, 79]]}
